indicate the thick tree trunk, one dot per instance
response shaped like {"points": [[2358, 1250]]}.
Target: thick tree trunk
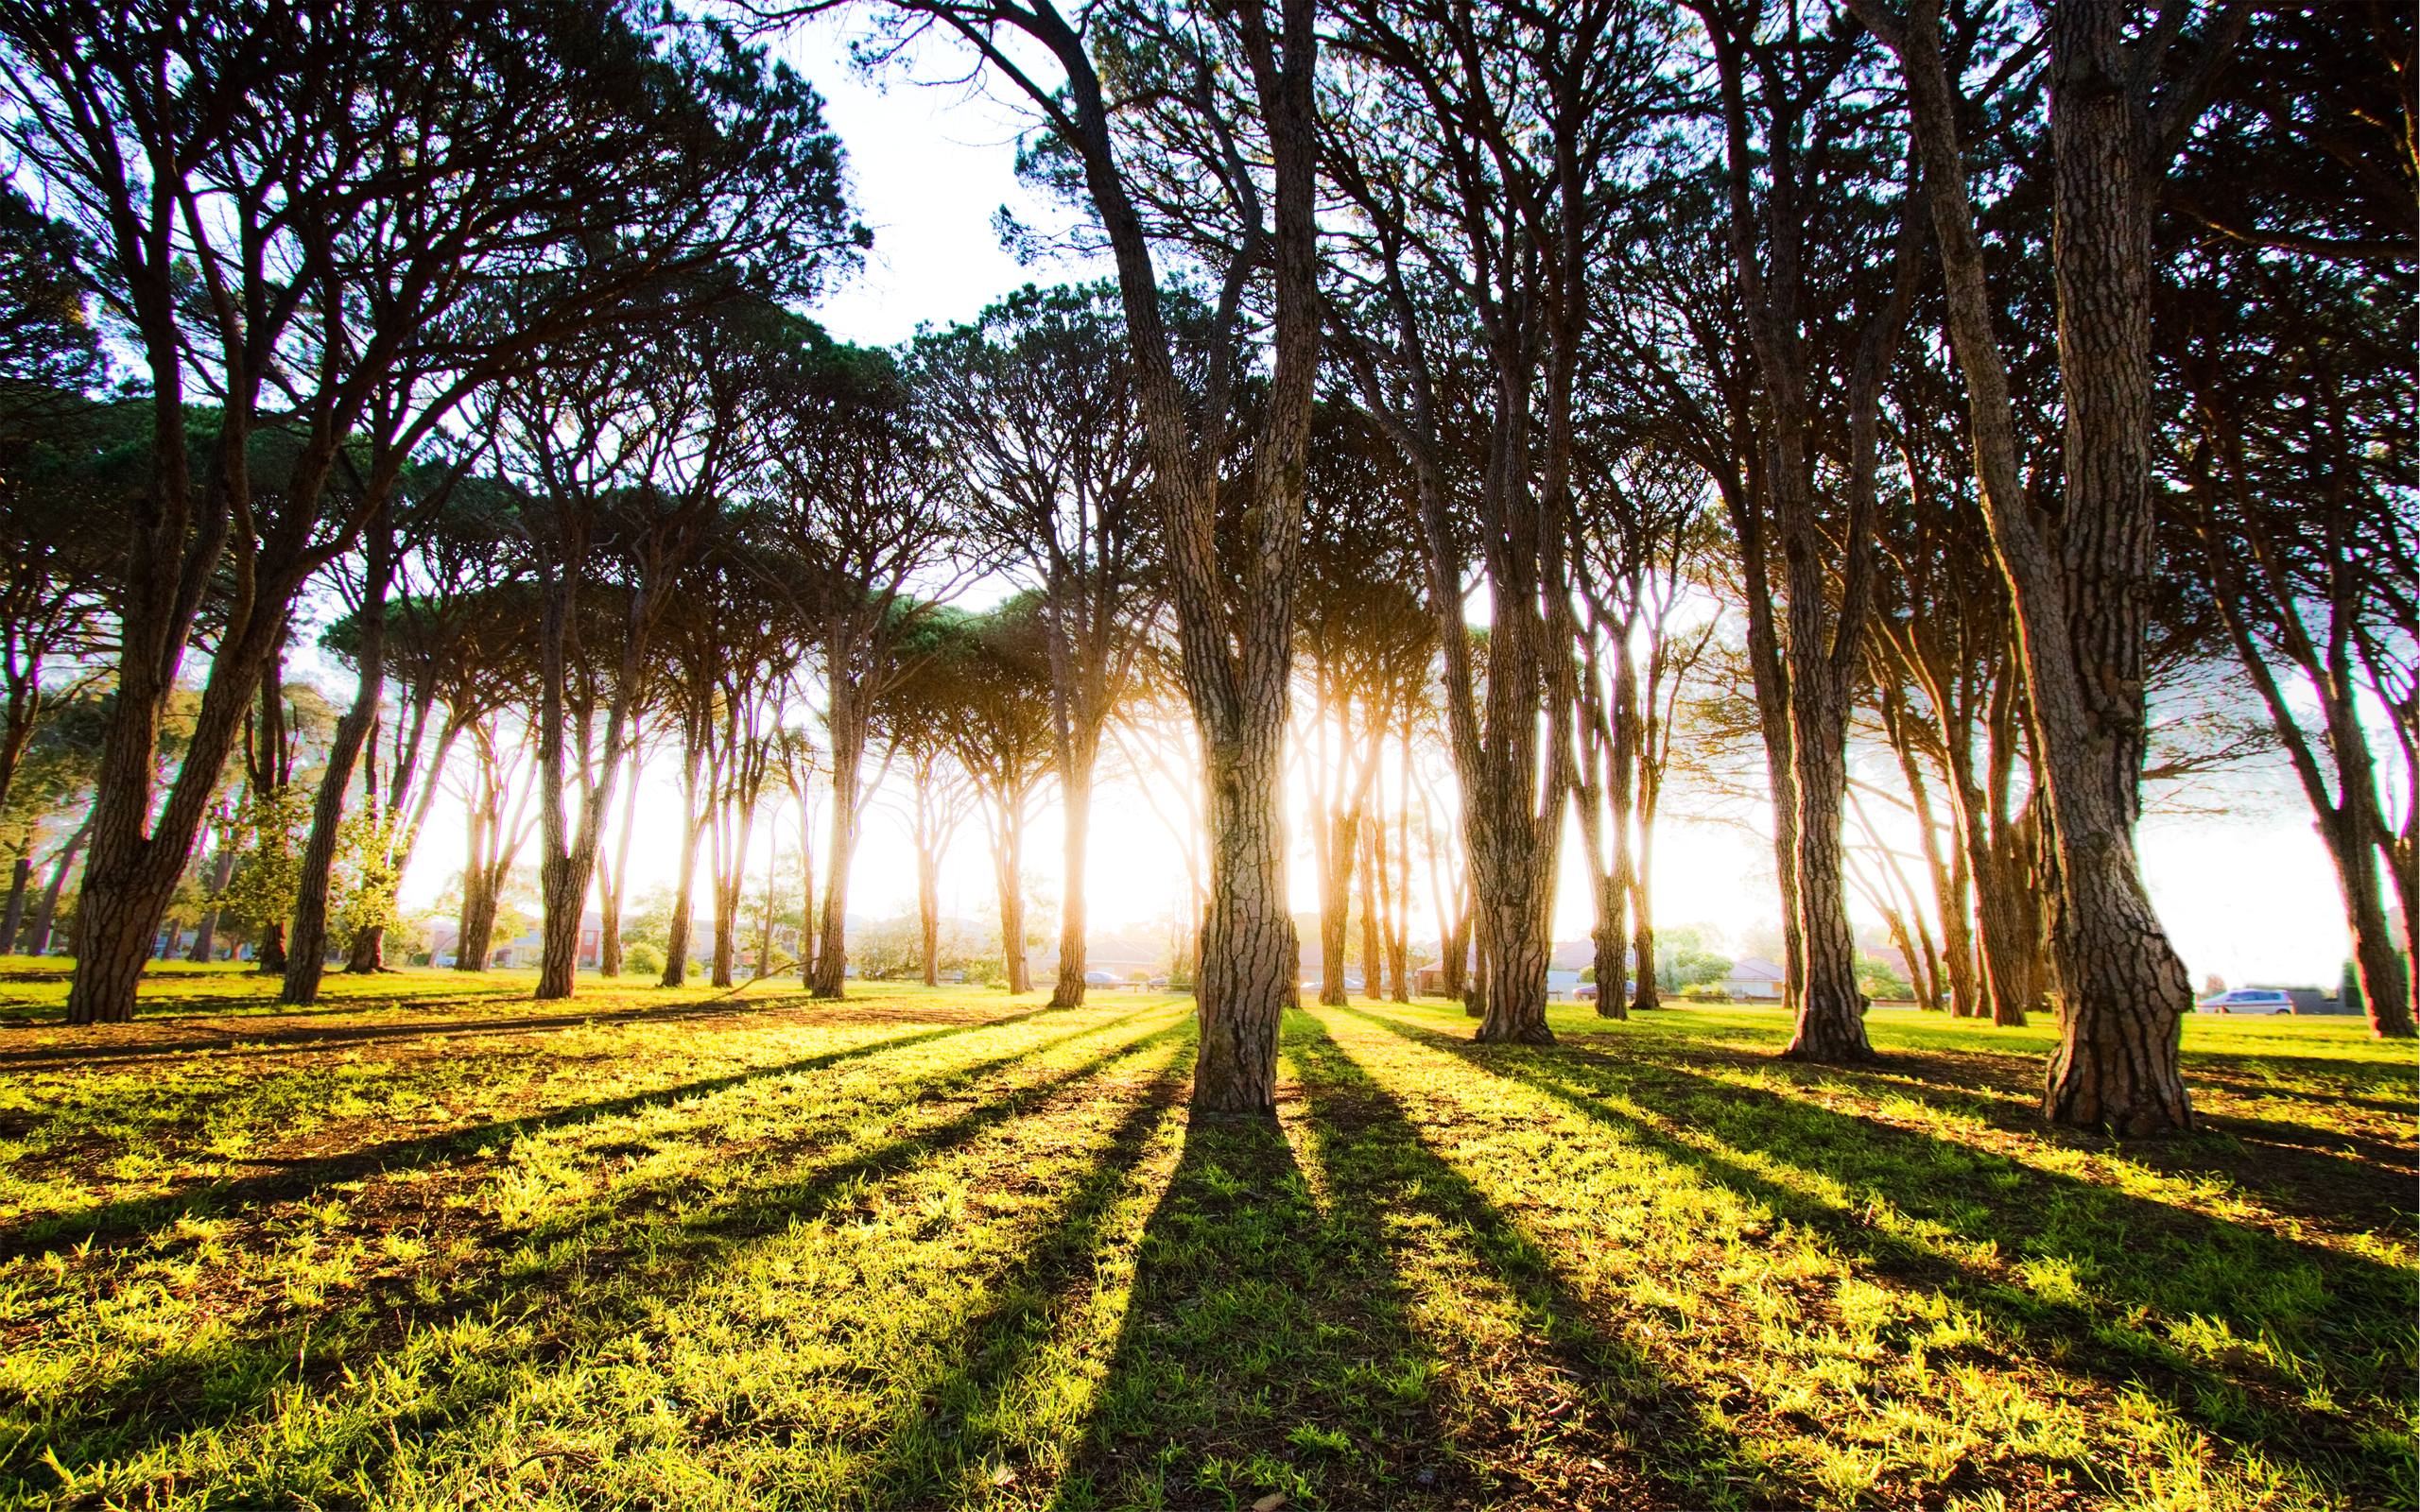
{"points": [[1512, 977], [1832, 1008], [1248, 950], [2081, 604], [367, 955], [562, 883], [269, 960], [475, 945], [1076, 793]]}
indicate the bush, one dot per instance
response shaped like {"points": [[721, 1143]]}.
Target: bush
{"points": [[1705, 992], [642, 959]]}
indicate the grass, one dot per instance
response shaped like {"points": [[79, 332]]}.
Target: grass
{"points": [[434, 1245]]}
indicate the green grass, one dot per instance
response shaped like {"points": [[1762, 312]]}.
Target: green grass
{"points": [[434, 1245]]}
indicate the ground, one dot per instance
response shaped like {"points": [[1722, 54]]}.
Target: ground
{"points": [[435, 1244]]}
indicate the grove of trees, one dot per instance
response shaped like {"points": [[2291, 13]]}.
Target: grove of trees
{"points": [[1485, 430]]}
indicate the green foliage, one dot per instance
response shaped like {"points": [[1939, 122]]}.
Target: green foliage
{"points": [[1877, 978], [367, 875], [267, 828], [2348, 990], [642, 959], [1705, 992]]}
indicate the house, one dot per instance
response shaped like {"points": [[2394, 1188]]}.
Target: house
{"points": [[1754, 979]]}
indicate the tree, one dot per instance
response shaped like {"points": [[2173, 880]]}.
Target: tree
{"points": [[1206, 153], [856, 509], [2082, 585], [1038, 399], [339, 220], [987, 679]]}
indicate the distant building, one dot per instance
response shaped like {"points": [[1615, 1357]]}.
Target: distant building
{"points": [[1755, 980]]}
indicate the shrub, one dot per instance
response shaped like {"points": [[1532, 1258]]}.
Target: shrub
{"points": [[1705, 992], [642, 959]]}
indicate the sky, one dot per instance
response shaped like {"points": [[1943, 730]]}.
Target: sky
{"points": [[2247, 892]]}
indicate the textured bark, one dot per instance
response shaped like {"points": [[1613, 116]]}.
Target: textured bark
{"points": [[2081, 606], [367, 955], [1249, 949]]}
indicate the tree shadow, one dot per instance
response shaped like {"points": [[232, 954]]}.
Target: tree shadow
{"points": [[1273, 1343], [170, 1397], [116, 1221], [340, 1036], [2140, 1255], [963, 1433]]}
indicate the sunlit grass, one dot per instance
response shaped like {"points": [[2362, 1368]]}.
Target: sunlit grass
{"points": [[434, 1244]]}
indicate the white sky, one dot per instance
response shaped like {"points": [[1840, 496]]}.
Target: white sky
{"points": [[2247, 897]]}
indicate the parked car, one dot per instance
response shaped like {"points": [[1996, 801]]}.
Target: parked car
{"points": [[1585, 992], [2247, 1000], [1101, 979]]}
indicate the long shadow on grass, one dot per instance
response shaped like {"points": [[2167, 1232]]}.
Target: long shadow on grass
{"points": [[2355, 1311], [130, 1217], [966, 1426], [1269, 1342], [347, 1037], [168, 1398], [1581, 1397]]}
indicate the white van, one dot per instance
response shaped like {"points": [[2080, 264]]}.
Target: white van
{"points": [[2247, 1000]]}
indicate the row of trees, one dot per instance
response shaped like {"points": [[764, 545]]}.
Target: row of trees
{"points": [[2002, 369]]}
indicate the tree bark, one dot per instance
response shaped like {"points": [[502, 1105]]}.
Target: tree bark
{"points": [[2083, 606], [37, 942], [1249, 951]]}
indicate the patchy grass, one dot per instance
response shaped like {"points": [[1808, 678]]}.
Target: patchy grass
{"points": [[432, 1243]]}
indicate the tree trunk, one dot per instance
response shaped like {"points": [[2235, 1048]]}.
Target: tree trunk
{"points": [[928, 911], [475, 945], [1832, 1008], [1249, 951], [21, 874], [562, 883], [1076, 790], [1008, 868], [309, 959], [1336, 848], [367, 954], [684, 884], [2081, 602], [38, 943], [1373, 913], [2385, 988], [269, 960], [223, 870], [848, 750]]}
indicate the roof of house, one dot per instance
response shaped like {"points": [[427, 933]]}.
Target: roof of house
{"points": [[1754, 968]]}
